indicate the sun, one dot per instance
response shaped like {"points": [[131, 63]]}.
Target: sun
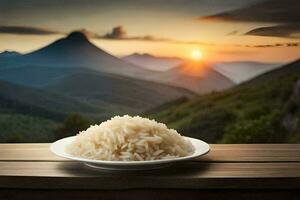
{"points": [[196, 54]]}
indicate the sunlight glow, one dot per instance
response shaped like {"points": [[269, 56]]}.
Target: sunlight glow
{"points": [[196, 54]]}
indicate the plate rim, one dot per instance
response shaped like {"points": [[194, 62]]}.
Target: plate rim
{"points": [[64, 154]]}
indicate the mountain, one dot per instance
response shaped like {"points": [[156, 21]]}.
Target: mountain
{"points": [[289, 70], [73, 62], [122, 94], [197, 77], [243, 71], [76, 50], [107, 94], [41, 103], [36, 76], [237, 72], [265, 109], [151, 62], [9, 54]]}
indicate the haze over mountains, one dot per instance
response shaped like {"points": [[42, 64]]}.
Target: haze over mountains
{"points": [[76, 54], [197, 77], [151, 62], [236, 71], [76, 51], [75, 69], [243, 71]]}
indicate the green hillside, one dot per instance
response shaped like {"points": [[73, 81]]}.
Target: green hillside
{"points": [[24, 128], [263, 110], [33, 115]]}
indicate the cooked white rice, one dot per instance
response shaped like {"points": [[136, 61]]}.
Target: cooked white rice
{"points": [[130, 139]]}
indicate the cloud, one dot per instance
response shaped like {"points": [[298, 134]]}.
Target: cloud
{"points": [[284, 14], [288, 44], [272, 11], [120, 33], [117, 32], [26, 30], [235, 32], [289, 31], [150, 38]]}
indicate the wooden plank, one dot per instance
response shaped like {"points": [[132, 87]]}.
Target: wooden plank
{"points": [[27, 152], [253, 153], [146, 194], [218, 153], [189, 175]]}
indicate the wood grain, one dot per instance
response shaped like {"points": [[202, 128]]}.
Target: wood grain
{"points": [[146, 194], [218, 153], [251, 166], [190, 175]]}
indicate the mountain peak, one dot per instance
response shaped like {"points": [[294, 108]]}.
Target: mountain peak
{"points": [[9, 53], [77, 36]]}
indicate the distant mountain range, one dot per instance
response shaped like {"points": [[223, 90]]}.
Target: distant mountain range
{"points": [[114, 94], [75, 50], [74, 71], [195, 76], [151, 62], [69, 59], [66, 55], [8, 54], [201, 79], [243, 71], [236, 71]]}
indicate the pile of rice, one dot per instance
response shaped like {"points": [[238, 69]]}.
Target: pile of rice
{"points": [[129, 139]]}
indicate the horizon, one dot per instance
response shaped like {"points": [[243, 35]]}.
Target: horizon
{"points": [[187, 58], [223, 31]]}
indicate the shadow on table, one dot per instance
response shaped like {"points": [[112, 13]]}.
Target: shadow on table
{"points": [[188, 168]]}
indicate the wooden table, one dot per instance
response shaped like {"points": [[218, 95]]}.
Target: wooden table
{"points": [[226, 172]]}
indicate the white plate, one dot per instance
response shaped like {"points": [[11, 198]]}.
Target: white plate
{"points": [[58, 148]]}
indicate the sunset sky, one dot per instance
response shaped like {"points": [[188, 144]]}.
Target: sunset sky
{"points": [[228, 30]]}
